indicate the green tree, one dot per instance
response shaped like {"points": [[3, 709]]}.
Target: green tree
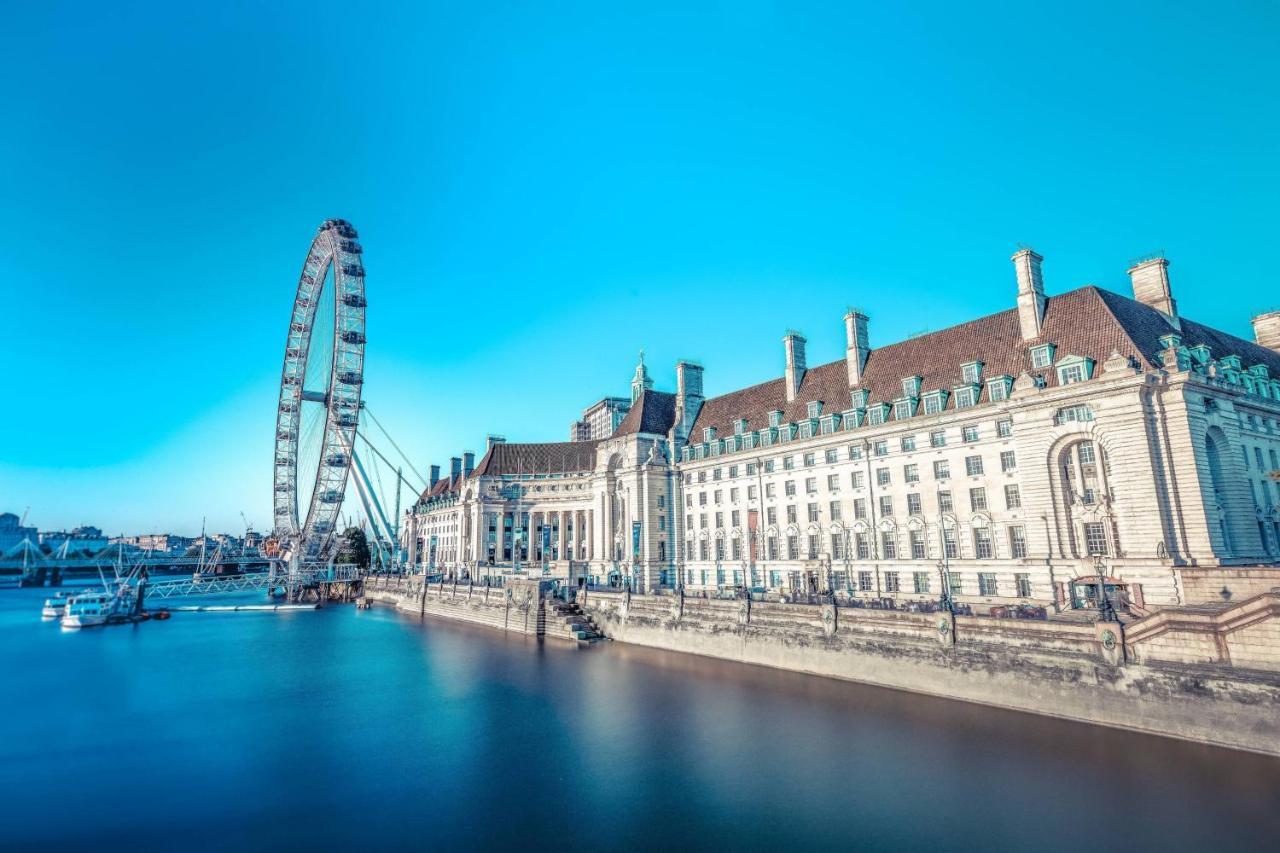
{"points": [[354, 548]]}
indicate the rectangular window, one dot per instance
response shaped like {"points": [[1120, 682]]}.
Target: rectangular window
{"points": [[751, 469], [793, 547], [933, 404], [971, 372], [969, 434], [1017, 541], [788, 463], [914, 504], [950, 543], [911, 473], [771, 515], [773, 549], [810, 459], [987, 583], [791, 515], [859, 508], [789, 488], [902, 409], [938, 438], [813, 546], [735, 518], [1095, 538], [837, 546], [810, 485], [833, 482], [855, 479], [855, 452], [908, 443], [733, 495], [702, 498], [720, 550], [1008, 461], [1004, 428], [945, 504], [941, 469], [834, 509], [813, 512], [921, 582], [715, 475], [973, 466], [891, 582], [1023, 584], [917, 545], [965, 398], [702, 549], [982, 543], [880, 448], [1070, 374], [735, 550], [886, 506], [769, 466], [702, 520], [888, 548], [1041, 356], [688, 522], [770, 490], [1012, 497], [864, 581], [997, 390], [864, 546], [751, 493], [716, 496], [832, 456], [882, 476], [978, 499], [719, 520]]}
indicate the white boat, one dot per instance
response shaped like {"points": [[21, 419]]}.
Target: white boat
{"points": [[118, 601], [54, 607]]}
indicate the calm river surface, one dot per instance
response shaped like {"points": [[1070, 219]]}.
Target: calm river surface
{"points": [[344, 729]]}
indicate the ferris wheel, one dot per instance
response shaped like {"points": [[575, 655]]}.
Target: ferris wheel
{"points": [[320, 383]]}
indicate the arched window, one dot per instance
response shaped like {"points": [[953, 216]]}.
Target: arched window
{"points": [[1213, 446]]}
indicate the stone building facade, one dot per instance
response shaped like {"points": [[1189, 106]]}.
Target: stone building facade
{"points": [[1015, 457]]}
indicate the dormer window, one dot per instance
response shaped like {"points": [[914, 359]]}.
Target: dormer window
{"points": [[877, 414], [1200, 352], [903, 409], [860, 397], [998, 388], [1042, 356], [935, 402], [775, 418], [966, 397], [740, 426], [852, 419], [911, 386], [971, 372], [814, 409], [829, 423], [1074, 369], [1260, 371], [708, 433]]}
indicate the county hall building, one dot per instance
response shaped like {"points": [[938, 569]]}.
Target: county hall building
{"points": [[1014, 458]]}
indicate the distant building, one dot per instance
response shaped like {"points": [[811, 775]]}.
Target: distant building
{"points": [[84, 538], [599, 420], [162, 543], [12, 532]]}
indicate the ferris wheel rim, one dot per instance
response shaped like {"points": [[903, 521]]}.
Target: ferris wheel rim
{"points": [[333, 248]]}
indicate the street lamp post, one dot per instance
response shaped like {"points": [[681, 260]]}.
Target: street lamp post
{"points": [[1104, 604]]}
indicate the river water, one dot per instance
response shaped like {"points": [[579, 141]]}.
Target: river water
{"points": [[345, 729]]}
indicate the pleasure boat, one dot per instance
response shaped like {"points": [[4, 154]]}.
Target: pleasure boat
{"points": [[117, 601], [54, 607]]}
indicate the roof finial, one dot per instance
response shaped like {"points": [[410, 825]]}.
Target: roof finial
{"points": [[642, 355]]}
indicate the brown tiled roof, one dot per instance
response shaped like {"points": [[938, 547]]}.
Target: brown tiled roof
{"points": [[552, 457], [653, 413], [443, 486], [1086, 322]]}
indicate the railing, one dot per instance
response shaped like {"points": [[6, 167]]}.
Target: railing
{"points": [[208, 585]]}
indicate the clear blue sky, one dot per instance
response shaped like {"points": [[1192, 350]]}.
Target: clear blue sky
{"points": [[543, 189]]}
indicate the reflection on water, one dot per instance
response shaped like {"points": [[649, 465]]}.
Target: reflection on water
{"points": [[368, 729]]}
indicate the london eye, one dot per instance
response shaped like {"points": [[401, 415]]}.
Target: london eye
{"points": [[319, 403]]}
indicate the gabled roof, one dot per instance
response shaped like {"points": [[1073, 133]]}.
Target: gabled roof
{"points": [[548, 458], [1087, 322], [654, 413]]}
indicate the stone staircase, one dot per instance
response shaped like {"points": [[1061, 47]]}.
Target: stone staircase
{"points": [[568, 621]]}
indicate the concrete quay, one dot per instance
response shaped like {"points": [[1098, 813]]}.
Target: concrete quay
{"points": [[1176, 673]]}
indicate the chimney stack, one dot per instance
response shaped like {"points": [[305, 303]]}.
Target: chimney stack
{"points": [[455, 468], [491, 440], [468, 463], [857, 345], [435, 475], [794, 345], [688, 395], [1266, 330], [1026, 263], [1151, 287]]}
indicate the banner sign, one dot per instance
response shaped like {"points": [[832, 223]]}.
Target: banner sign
{"points": [[753, 522], [635, 540]]}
